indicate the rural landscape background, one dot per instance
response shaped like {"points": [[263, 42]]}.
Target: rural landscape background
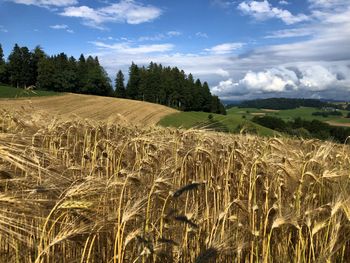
{"points": [[158, 131]]}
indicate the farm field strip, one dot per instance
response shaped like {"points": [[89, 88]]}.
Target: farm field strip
{"points": [[91, 107]]}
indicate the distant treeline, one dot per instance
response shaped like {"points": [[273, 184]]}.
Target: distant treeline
{"points": [[305, 129], [158, 84], [168, 86], [284, 103]]}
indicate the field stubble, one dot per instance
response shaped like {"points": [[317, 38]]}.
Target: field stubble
{"points": [[79, 191]]}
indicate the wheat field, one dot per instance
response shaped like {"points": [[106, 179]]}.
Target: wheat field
{"points": [[84, 191], [90, 107]]}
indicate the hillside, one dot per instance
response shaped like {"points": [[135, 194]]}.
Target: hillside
{"points": [[90, 107], [73, 191], [226, 123]]}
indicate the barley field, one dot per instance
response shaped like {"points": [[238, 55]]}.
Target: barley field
{"points": [[74, 190], [96, 108]]}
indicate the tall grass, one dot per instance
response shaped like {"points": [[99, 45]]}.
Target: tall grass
{"points": [[92, 192]]}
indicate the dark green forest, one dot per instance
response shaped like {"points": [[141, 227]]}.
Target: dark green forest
{"points": [[155, 83], [284, 103]]}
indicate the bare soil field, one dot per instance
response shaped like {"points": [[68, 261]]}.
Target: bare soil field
{"points": [[90, 107]]}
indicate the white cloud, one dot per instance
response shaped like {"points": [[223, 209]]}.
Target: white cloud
{"points": [[3, 29], [202, 34], [158, 37], [225, 48], [59, 26], [293, 32], [223, 3], [46, 3], [327, 3], [302, 80], [125, 11], [283, 2], [263, 10], [126, 48], [62, 27], [174, 33]]}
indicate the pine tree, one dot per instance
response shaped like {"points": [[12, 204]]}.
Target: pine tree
{"points": [[132, 88], [81, 74], [15, 64], [46, 74], [206, 95], [120, 91], [36, 56], [2, 66]]}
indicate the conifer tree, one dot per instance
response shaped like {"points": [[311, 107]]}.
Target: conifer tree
{"points": [[120, 91], [132, 88], [2, 66]]}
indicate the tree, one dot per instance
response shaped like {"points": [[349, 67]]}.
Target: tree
{"points": [[46, 72], [36, 56], [20, 69], [15, 63], [2, 66], [206, 106], [132, 88], [120, 91]]}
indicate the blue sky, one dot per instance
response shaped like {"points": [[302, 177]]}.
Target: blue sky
{"points": [[244, 49]]}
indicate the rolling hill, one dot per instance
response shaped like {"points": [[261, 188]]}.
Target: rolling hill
{"points": [[90, 107]]}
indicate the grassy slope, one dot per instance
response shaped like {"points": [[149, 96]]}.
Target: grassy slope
{"points": [[196, 119], [10, 92], [288, 115]]}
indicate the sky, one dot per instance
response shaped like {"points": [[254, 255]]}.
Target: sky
{"points": [[244, 49]]}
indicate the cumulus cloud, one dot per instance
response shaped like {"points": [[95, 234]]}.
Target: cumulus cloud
{"points": [[303, 80], [47, 3], [264, 10], [225, 48], [125, 11]]}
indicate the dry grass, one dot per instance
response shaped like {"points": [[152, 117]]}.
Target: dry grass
{"points": [[74, 191], [85, 106]]}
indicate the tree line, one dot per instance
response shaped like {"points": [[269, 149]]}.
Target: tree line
{"points": [[285, 103], [167, 86], [304, 128], [155, 83], [59, 73]]}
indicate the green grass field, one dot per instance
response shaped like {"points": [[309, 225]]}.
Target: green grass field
{"points": [[232, 122], [288, 115], [10, 92]]}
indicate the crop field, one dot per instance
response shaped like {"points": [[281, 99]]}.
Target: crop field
{"points": [[97, 108], [74, 190], [289, 115]]}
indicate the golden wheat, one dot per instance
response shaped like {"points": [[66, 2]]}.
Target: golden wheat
{"points": [[79, 191]]}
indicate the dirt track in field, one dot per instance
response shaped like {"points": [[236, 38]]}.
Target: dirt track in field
{"points": [[90, 107]]}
